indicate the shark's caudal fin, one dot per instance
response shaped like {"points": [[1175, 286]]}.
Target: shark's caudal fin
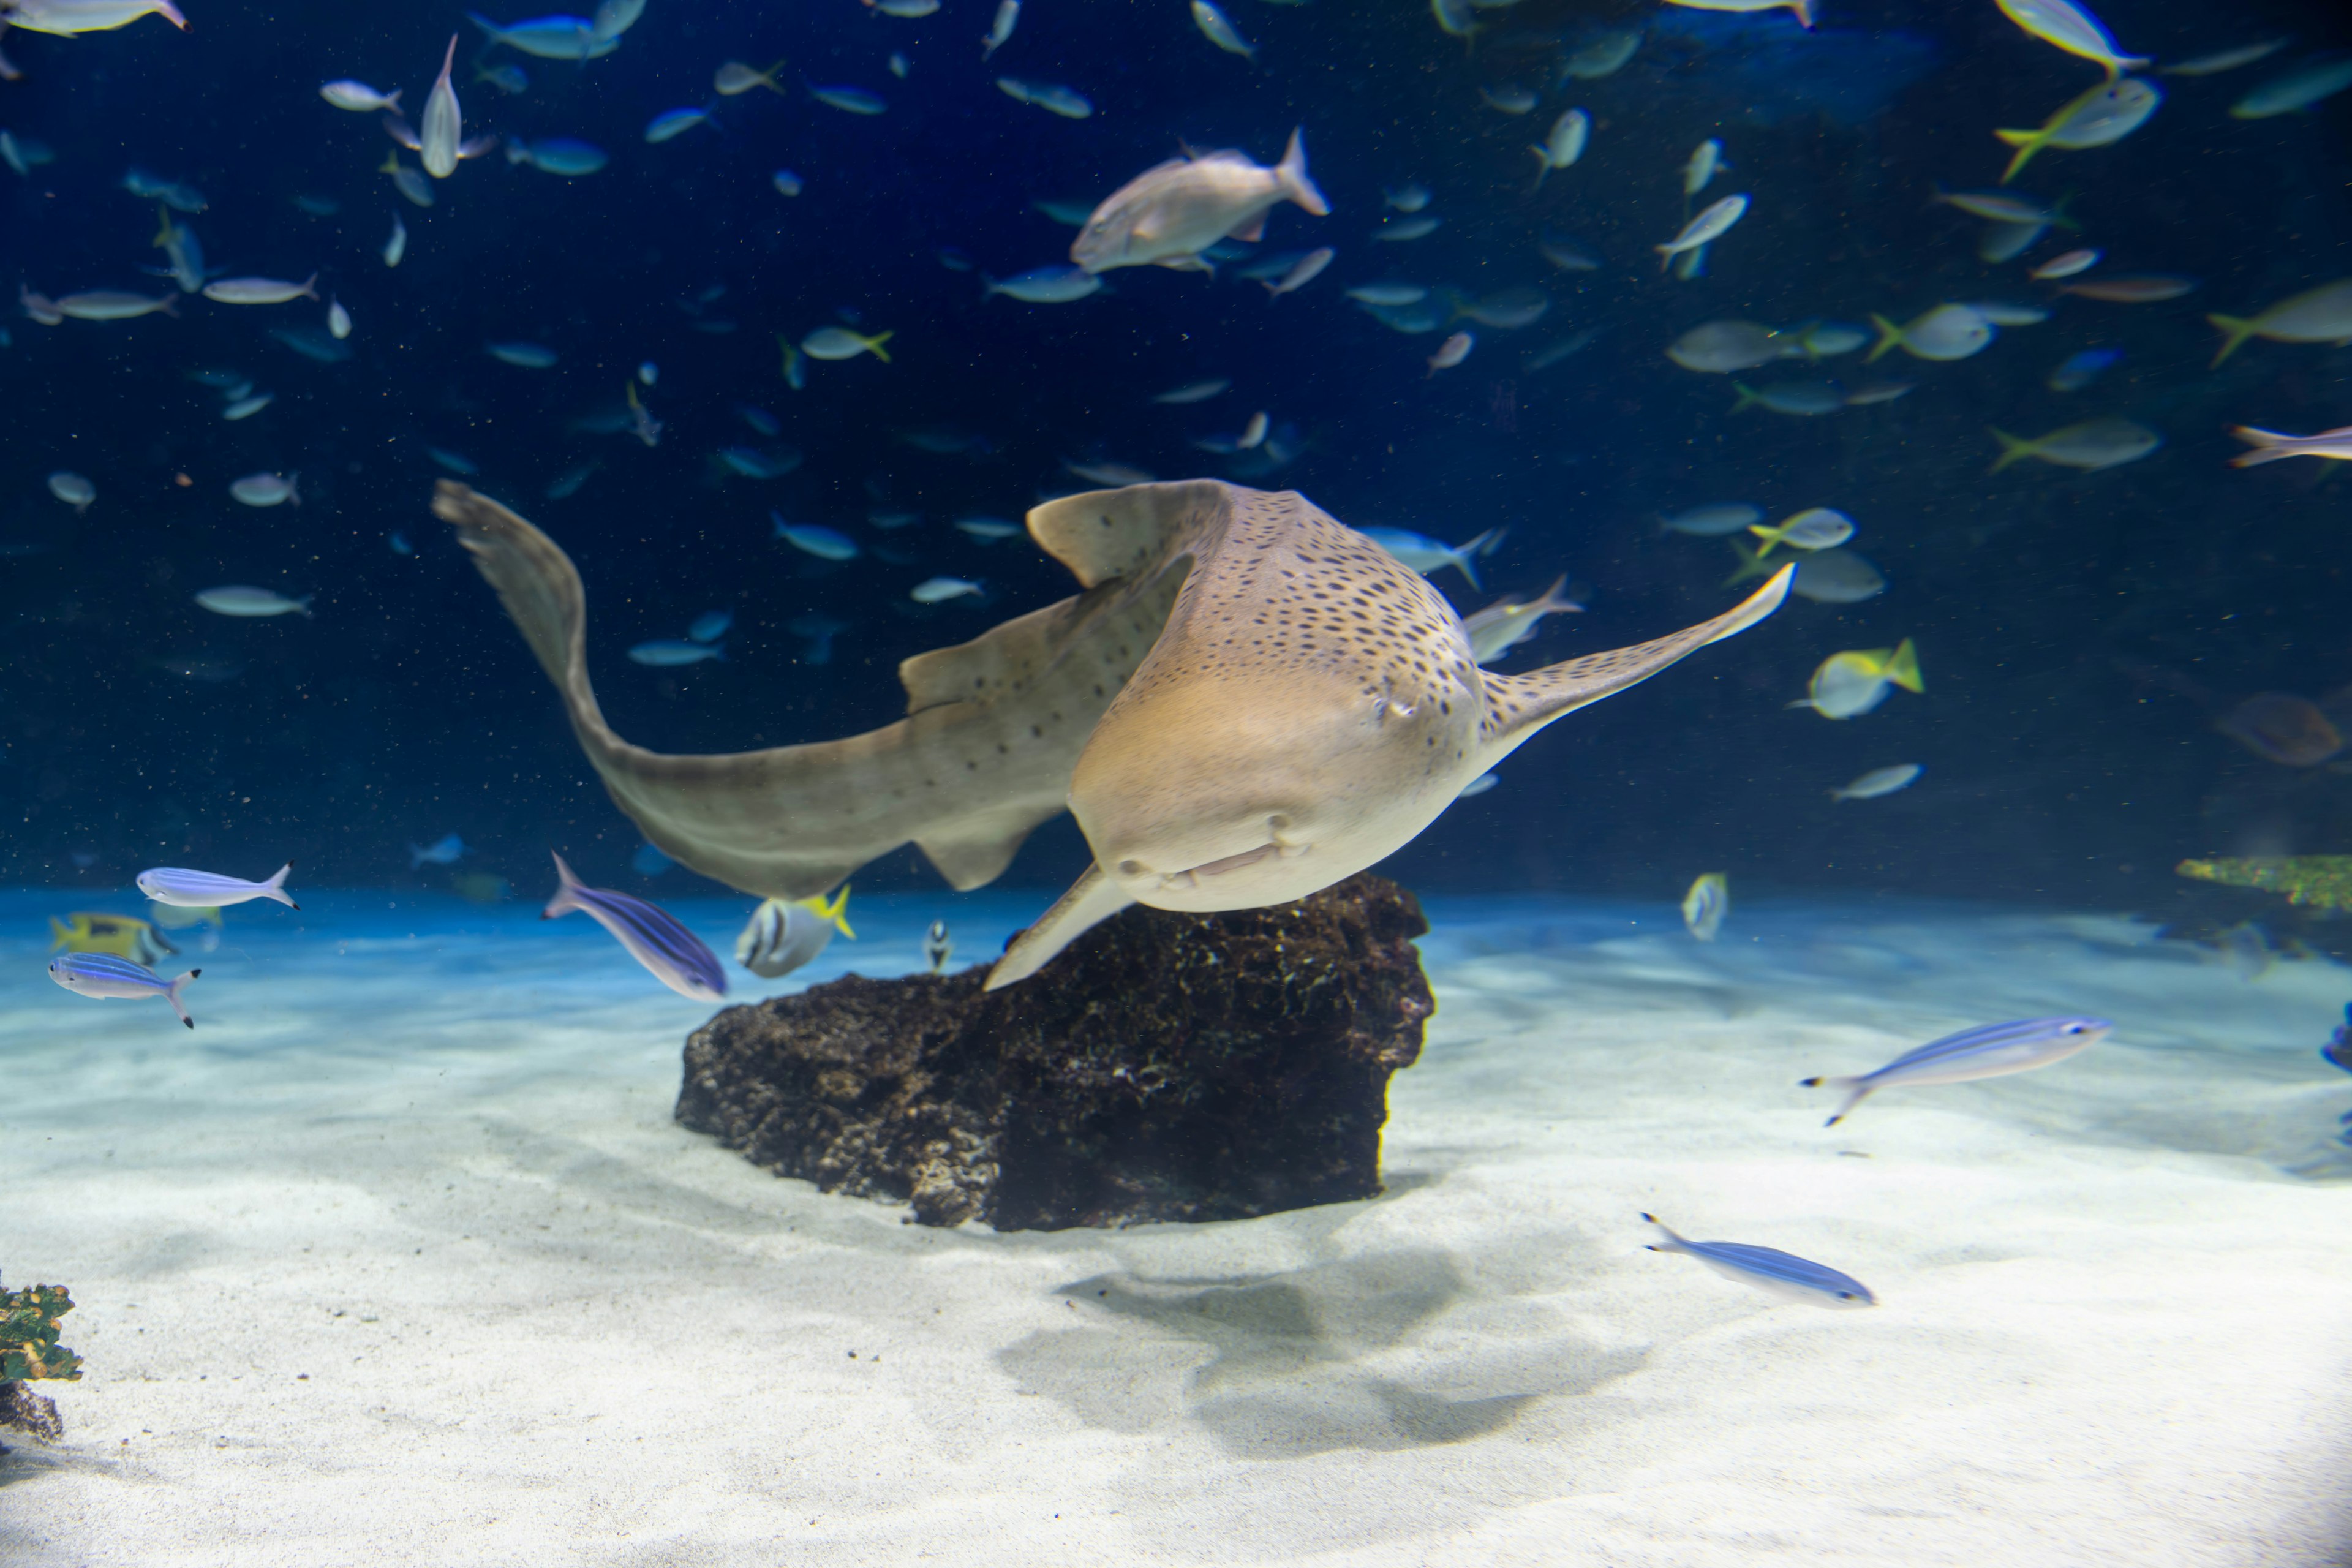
{"points": [[994, 726], [1519, 705]]}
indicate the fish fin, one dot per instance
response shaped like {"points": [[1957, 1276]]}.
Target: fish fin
{"points": [[1748, 399], [2033, 144], [2015, 138], [973, 850], [564, 900], [874, 345], [1889, 334], [1460, 560], [1751, 562], [1092, 900], [2264, 442], [838, 913], [172, 994], [1519, 705], [2235, 330], [1903, 667], [1250, 230], [2012, 448], [1673, 1242], [1855, 1090], [1291, 176], [276, 887], [1543, 166]]}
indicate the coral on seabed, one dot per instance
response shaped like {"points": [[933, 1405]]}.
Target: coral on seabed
{"points": [[29, 1349], [2324, 882]]}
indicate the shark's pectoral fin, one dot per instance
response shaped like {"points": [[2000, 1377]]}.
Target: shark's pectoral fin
{"points": [[1519, 705], [1092, 900]]}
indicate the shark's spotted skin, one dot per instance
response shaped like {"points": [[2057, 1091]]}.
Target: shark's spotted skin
{"points": [[1250, 701], [1311, 707]]}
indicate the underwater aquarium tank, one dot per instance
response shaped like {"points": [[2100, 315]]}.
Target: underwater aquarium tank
{"points": [[1351, 782]]}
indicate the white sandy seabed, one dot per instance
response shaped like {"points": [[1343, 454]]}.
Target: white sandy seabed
{"points": [[399, 1257]]}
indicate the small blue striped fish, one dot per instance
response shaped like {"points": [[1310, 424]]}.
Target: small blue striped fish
{"points": [[203, 890], [103, 974], [1770, 1270], [673, 954], [1986, 1052]]}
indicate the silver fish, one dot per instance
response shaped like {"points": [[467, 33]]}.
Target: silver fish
{"points": [[1504, 625], [936, 943], [103, 974], [1705, 229], [1770, 1270], [444, 125], [1008, 14], [205, 891], [1988, 1052], [1878, 781], [1170, 213]]}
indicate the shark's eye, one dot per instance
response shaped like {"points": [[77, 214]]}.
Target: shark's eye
{"points": [[1130, 868]]}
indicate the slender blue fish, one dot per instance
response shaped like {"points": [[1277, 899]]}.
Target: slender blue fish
{"points": [[1986, 1052], [1770, 1270], [203, 891], [103, 974], [675, 956]]}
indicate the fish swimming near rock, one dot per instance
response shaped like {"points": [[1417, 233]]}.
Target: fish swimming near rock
{"points": [[208, 890], [671, 954], [1172, 212], [1368, 715], [119, 934], [782, 934], [104, 975], [1991, 1051], [1770, 1270], [938, 946]]}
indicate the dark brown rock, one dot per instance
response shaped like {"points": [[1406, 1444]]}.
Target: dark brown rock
{"points": [[22, 1410], [1168, 1067]]}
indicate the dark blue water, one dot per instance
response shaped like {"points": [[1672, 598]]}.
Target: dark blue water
{"points": [[2081, 634]]}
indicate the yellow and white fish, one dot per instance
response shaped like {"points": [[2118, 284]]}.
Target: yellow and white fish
{"points": [[781, 936], [1704, 907], [1850, 684], [2064, 25]]}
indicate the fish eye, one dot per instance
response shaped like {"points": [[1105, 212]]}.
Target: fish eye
{"points": [[1845, 1295]]}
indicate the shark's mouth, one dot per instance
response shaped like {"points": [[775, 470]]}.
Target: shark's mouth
{"points": [[1191, 879]]}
